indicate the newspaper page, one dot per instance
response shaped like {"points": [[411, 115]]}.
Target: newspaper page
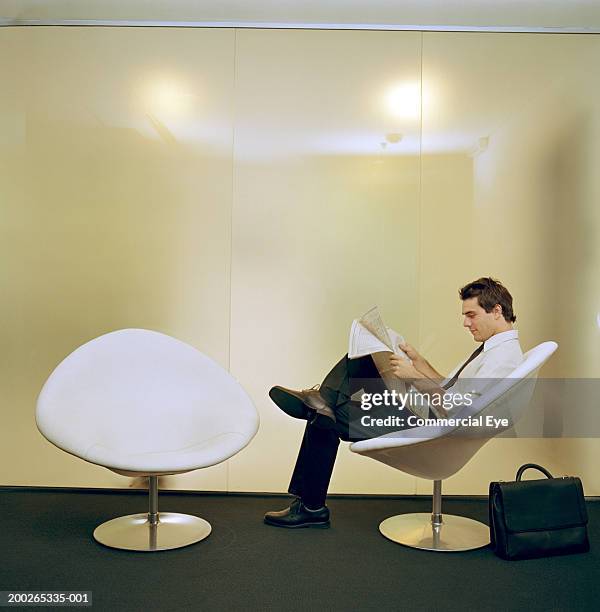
{"points": [[369, 335]]}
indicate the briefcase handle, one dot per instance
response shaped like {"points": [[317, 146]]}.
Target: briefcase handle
{"points": [[535, 466]]}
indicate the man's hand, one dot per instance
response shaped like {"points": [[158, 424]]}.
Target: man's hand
{"points": [[412, 353], [410, 374], [402, 368], [420, 363]]}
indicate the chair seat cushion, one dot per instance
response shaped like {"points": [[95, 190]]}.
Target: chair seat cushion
{"points": [[138, 400]]}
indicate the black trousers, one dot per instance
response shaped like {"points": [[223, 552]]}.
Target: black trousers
{"points": [[318, 451]]}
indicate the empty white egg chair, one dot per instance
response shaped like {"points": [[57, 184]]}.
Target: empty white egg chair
{"points": [[141, 403], [436, 453]]}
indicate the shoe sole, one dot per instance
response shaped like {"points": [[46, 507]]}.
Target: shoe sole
{"points": [[325, 525], [290, 404], [295, 407]]}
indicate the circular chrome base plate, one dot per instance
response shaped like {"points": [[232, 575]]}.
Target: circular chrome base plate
{"points": [[134, 532], [456, 533]]}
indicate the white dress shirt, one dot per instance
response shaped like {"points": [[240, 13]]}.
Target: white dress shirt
{"points": [[500, 356]]}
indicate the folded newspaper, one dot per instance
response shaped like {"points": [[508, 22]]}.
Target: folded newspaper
{"points": [[369, 335]]}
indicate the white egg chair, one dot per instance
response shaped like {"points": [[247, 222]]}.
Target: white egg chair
{"points": [[436, 453], [141, 403]]}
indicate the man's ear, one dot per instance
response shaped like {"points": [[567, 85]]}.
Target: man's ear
{"points": [[497, 311]]}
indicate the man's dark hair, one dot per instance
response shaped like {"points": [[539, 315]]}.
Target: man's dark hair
{"points": [[490, 292]]}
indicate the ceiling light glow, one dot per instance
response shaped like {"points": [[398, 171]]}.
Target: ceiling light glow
{"points": [[404, 101], [167, 97]]}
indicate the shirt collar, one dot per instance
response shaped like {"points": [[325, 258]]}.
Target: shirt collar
{"points": [[496, 339]]}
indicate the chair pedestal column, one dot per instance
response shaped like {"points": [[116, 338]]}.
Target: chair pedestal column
{"points": [[154, 530], [434, 531]]}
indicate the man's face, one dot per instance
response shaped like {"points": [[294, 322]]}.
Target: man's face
{"points": [[481, 324]]}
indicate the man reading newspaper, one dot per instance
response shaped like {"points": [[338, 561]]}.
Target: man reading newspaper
{"points": [[380, 364]]}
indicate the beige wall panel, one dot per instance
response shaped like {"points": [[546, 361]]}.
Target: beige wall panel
{"points": [[116, 202], [578, 457], [116, 210], [325, 223], [524, 109], [446, 206]]}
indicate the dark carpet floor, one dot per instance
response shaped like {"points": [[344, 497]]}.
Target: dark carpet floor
{"points": [[46, 544]]}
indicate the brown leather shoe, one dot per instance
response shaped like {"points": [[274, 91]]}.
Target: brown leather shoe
{"points": [[306, 404]]}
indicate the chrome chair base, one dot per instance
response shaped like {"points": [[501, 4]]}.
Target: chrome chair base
{"points": [[453, 534], [136, 532]]}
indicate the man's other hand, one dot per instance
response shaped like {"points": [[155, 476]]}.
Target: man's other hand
{"points": [[412, 353], [402, 368], [420, 363]]}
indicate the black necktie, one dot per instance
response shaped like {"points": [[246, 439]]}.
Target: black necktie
{"points": [[463, 366]]}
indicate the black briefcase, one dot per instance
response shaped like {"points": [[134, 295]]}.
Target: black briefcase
{"points": [[538, 518]]}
